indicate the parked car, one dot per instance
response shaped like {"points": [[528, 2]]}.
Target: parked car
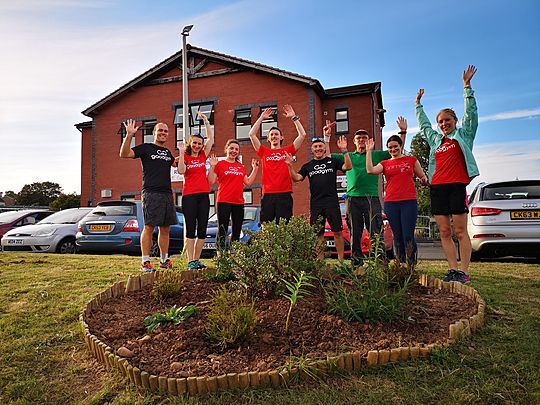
{"points": [[112, 227], [250, 224], [388, 237], [176, 236], [15, 219], [504, 219], [55, 233]]}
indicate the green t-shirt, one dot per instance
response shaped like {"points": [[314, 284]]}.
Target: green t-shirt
{"points": [[359, 182]]}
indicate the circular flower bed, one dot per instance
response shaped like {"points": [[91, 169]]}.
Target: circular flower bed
{"points": [[179, 360]]}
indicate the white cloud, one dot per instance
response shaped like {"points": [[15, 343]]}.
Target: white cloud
{"points": [[509, 115]]}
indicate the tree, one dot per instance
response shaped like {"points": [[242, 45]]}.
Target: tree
{"points": [[39, 193], [65, 201], [420, 149]]}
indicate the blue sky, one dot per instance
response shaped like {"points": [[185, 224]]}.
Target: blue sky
{"points": [[61, 56]]}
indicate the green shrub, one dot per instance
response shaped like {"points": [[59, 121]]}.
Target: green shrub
{"points": [[276, 253], [231, 318], [295, 291], [365, 296], [400, 274], [167, 285], [173, 315]]}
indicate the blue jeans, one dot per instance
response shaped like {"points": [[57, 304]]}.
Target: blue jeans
{"points": [[402, 218]]}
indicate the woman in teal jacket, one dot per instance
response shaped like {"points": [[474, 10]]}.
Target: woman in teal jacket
{"points": [[451, 168]]}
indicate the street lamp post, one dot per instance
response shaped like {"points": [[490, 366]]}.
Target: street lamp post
{"points": [[185, 100]]}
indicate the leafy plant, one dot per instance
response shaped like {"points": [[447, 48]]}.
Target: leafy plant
{"points": [[277, 252], [296, 290], [173, 315], [167, 285], [224, 267], [231, 318]]}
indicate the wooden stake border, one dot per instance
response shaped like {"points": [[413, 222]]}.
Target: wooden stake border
{"points": [[194, 385]]}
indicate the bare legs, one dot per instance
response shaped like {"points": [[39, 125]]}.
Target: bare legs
{"points": [[194, 249], [448, 246]]}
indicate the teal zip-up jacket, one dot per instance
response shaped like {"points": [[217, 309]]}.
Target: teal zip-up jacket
{"points": [[464, 135]]}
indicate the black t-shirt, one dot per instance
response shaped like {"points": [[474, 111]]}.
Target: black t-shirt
{"points": [[156, 164], [322, 181]]}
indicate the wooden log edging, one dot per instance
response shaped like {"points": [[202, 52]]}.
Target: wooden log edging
{"points": [[195, 385]]}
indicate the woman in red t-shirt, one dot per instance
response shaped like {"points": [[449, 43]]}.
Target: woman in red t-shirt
{"points": [[195, 200], [400, 203], [231, 177]]}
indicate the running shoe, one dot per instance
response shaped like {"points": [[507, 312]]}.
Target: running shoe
{"points": [[199, 265], [192, 265], [450, 276], [167, 264], [147, 267], [462, 277]]}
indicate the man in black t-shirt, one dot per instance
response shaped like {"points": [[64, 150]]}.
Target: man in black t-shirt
{"points": [[322, 172], [157, 200]]}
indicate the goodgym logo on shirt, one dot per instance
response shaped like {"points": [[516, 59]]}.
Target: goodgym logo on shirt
{"points": [[195, 164], [445, 147], [234, 171], [161, 154], [275, 157], [321, 169], [402, 167]]}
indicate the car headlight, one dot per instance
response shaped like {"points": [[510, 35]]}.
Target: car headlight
{"points": [[44, 232]]}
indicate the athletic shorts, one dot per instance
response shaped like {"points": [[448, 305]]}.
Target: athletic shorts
{"points": [[275, 206], [158, 209], [448, 199], [332, 215]]}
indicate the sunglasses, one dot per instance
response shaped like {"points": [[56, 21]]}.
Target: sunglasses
{"points": [[317, 140]]}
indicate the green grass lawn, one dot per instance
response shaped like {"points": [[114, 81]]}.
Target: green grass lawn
{"points": [[43, 358]]}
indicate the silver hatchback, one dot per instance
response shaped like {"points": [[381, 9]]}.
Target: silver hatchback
{"points": [[504, 219]]}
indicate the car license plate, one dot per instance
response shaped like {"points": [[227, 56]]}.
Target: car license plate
{"points": [[529, 214], [15, 241], [330, 243], [100, 228], [209, 245]]}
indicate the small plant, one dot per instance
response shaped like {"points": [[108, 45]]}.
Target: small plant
{"points": [[224, 267], [167, 285], [296, 290], [231, 319], [173, 315], [400, 274], [301, 366]]}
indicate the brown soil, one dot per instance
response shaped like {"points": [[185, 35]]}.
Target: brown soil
{"points": [[313, 333]]}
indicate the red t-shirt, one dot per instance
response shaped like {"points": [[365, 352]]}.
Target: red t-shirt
{"points": [[231, 182], [275, 173], [450, 164], [399, 178], [195, 180]]}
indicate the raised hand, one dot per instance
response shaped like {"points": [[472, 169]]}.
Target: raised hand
{"points": [[267, 113], [327, 129], [370, 144], [203, 117], [288, 111], [181, 147], [468, 75], [130, 127], [213, 160], [288, 158], [419, 96], [402, 122], [254, 163], [342, 143]]}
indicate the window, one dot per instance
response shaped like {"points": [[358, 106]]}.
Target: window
{"points": [[122, 133], [130, 197], [248, 197], [147, 129], [196, 124], [242, 120], [212, 204], [342, 120], [270, 122]]}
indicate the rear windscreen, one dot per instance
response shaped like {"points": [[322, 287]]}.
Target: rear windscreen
{"points": [[114, 210], [514, 191]]}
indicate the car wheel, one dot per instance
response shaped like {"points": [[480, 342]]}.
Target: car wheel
{"points": [[154, 250], [67, 246]]}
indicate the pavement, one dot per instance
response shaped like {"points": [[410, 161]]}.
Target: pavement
{"points": [[430, 250]]}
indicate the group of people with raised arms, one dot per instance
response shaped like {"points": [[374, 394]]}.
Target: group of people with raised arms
{"points": [[451, 167]]}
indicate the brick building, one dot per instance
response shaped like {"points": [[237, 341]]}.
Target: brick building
{"points": [[232, 92]]}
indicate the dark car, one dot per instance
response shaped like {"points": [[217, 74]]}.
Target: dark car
{"points": [[15, 219], [504, 219], [112, 227]]}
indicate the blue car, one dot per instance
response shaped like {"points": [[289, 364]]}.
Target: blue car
{"points": [[251, 223]]}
